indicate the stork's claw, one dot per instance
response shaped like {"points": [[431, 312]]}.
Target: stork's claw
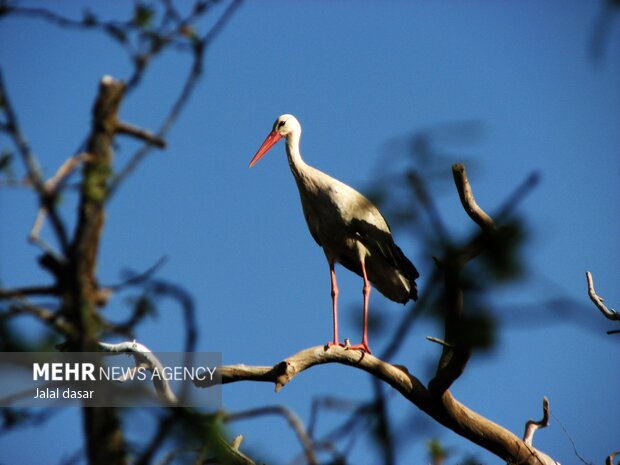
{"points": [[335, 343], [363, 347]]}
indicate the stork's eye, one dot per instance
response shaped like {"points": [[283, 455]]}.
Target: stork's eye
{"points": [[281, 123]]}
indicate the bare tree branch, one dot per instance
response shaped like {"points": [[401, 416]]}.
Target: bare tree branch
{"points": [[139, 133], [33, 174], [46, 316], [531, 426], [199, 47], [292, 419], [12, 128], [144, 358], [455, 354], [25, 291], [610, 458], [231, 453], [445, 409], [439, 341], [467, 199], [53, 184], [610, 314]]}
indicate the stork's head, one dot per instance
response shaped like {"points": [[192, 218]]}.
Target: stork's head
{"points": [[285, 126]]}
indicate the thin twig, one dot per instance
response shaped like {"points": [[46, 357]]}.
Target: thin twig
{"points": [[440, 342], [531, 426], [576, 452], [34, 176], [610, 314], [24, 291], [292, 419], [44, 315], [191, 80], [139, 133], [13, 129], [53, 184], [467, 199]]}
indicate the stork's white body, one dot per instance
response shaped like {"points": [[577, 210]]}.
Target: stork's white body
{"points": [[348, 227]]}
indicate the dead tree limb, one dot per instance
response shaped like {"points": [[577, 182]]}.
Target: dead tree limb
{"points": [[609, 313], [446, 410], [610, 458], [143, 358], [456, 353], [34, 174], [467, 198], [292, 419], [531, 426]]}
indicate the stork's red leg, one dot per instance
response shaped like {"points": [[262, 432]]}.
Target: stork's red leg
{"points": [[334, 305], [366, 291]]}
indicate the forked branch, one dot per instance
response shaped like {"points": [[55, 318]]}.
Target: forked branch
{"points": [[455, 354], [446, 409]]}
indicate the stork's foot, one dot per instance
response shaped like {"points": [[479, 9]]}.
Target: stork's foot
{"points": [[363, 347], [334, 343]]}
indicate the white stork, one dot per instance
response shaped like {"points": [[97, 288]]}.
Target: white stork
{"points": [[348, 227]]}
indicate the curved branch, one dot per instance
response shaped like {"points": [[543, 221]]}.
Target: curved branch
{"points": [[292, 419], [467, 199], [610, 314], [531, 426], [145, 358], [610, 458], [445, 408], [281, 373], [455, 354]]}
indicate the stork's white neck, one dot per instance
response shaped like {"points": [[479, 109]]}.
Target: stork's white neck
{"points": [[294, 156]]}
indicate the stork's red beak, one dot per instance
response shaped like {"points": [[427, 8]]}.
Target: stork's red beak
{"points": [[272, 138]]}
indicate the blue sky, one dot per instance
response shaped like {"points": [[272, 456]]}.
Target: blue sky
{"points": [[357, 76]]}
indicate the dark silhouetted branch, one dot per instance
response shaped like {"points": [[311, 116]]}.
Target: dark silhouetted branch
{"points": [[610, 458], [26, 291], [46, 316], [439, 341], [33, 175], [199, 47], [12, 128], [455, 353], [467, 199], [139, 133]]}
